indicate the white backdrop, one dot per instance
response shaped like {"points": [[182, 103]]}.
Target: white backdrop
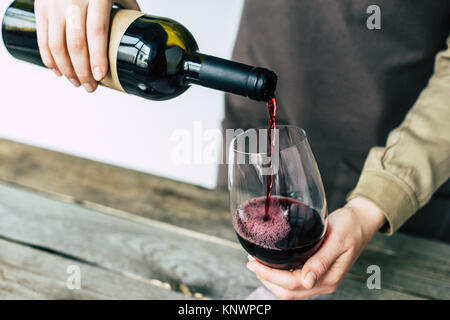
{"points": [[40, 109]]}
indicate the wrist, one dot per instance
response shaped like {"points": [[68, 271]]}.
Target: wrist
{"points": [[372, 217]]}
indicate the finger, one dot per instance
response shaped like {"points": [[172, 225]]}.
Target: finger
{"points": [[130, 4], [286, 279], [42, 39], [279, 291], [78, 47], [285, 294], [317, 265], [58, 47], [97, 34]]}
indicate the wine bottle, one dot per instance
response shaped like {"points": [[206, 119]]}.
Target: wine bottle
{"points": [[152, 57]]}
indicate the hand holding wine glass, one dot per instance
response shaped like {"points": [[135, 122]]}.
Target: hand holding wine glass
{"points": [[349, 231], [280, 216]]}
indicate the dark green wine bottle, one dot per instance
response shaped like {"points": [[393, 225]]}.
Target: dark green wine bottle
{"points": [[152, 57]]}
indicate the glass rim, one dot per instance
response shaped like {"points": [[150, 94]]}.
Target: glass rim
{"points": [[304, 138]]}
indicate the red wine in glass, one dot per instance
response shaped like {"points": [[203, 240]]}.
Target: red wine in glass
{"points": [[285, 239]]}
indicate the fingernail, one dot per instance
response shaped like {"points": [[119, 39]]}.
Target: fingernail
{"points": [[75, 82], [58, 74], [310, 280], [251, 267], [250, 258], [88, 87], [98, 73]]}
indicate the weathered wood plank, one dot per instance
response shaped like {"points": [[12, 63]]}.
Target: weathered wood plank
{"points": [[82, 180], [409, 265], [405, 245], [94, 184], [153, 250], [97, 184], [27, 273], [428, 279]]}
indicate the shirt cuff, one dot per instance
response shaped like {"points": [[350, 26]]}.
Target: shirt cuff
{"points": [[389, 193]]}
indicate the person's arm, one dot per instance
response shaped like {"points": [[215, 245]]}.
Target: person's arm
{"points": [[402, 176], [73, 38], [396, 180]]}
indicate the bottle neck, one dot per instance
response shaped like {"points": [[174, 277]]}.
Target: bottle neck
{"points": [[229, 76]]}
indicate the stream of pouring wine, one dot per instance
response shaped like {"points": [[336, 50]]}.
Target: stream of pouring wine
{"points": [[272, 109]]}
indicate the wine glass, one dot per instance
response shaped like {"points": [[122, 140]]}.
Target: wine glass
{"points": [[277, 199]]}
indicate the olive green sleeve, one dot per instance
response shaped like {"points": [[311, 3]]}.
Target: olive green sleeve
{"points": [[402, 176]]}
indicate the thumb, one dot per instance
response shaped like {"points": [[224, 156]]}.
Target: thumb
{"points": [[318, 265]]}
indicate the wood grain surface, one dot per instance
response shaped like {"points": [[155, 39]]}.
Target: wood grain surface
{"points": [[153, 250], [27, 273], [80, 180], [156, 229]]}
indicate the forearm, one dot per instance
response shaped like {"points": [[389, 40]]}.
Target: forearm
{"points": [[402, 176], [371, 217]]}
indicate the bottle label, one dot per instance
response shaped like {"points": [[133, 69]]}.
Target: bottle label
{"points": [[120, 22]]}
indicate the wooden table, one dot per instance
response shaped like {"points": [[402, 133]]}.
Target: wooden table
{"points": [[138, 236]]}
